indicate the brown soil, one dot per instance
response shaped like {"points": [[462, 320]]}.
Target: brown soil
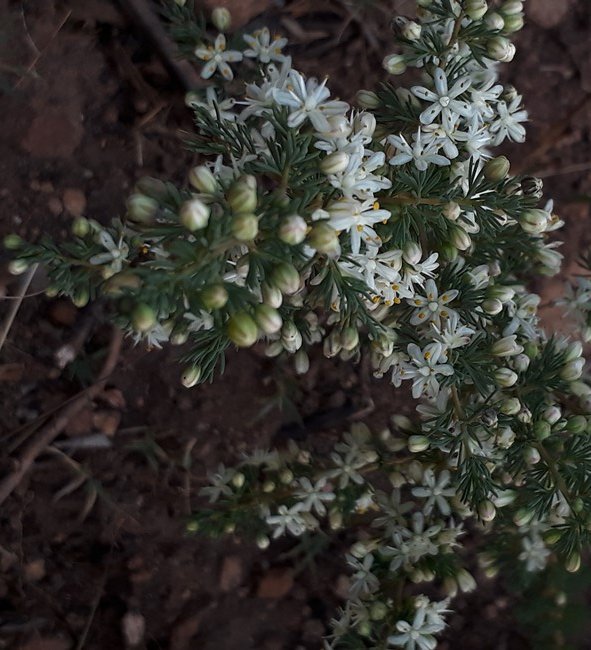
{"points": [[87, 110]]}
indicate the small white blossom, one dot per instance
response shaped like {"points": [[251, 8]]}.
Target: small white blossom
{"points": [[217, 58]]}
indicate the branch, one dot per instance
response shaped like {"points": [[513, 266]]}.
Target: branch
{"points": [[48, 434]]}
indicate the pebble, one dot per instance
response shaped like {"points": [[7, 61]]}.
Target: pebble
{"points": [[133, 626], [34, 570], [276, 583], [106, 422], [74, 201], [547, 13], [55, 206], [231, 573]]}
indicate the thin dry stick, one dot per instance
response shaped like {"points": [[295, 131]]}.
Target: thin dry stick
{"points": [[48, 434], [15, 306]]}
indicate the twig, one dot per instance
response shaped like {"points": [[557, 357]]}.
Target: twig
{"points": [[15, 306], [95, 604], [141, 13], [48, 434]]}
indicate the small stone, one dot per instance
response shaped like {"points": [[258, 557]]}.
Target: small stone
{"points": [[184, 631], [133, 626], [276, 583], [53, 134], [74, 201], [342, 585], [62, 312], [231, 574], [547, 13], [55, 206], [34, 570], [80, 424], [114, 398], [106, 422]]}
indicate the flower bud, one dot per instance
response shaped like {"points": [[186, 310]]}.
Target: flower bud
{"points": [[460, 239], [194, 214], [500, 49], [378, 611], [80, 227], [542, 430], [573, 563], [573, 351], [245, 227], [238, 480], [335, 519], [291, 337], [505, 437], [394, 64], [418, 443], [13, 242], [324, 239], [141, 208], [531, 456], [531, 349], [152, 187], [143, 318], [492, 306], [367, 99], [534, 221], [349, 338], [293, 230], [495, 21], [335, 163], [524, 415], [191, 376], [511, 7], [242, 195], [412, 253], [487, 510], [475, 9], [332, 345], [521, 362], [17, 267], [550, 259], [268, 319], [450, 587], [452, 211], [301, 362], [576, 424], [221, 19], [202, 179], [365, 124], [513, 23], [496, 169], [552, 414], [510, 406], [214, 296], [263, 542], [523, 517], [572, 370], [505, 377], [506, 347], [286, 278], [411, 31], [272, 296], [242, 330], [465, 580]]}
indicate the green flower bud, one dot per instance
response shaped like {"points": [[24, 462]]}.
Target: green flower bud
{"points": [[80, 227], [221, 19], [524, 415], [460, 239], [552, 414], [465, 580], [152, 187], [293, 230], [531, 456], [143, 318], [487, 511], [576, 424], [513, 23], [263, 542], [324, 239], [214, 296], [13, 242], [335, 163], [194, 214], [505, 377], [531, 349], [272, 296], [449, 251], [500, 49], [117, 283], [192, 527], [141, 208], [534, 221], [286, 278], [268, 319], [475, 9], [238, 480], [573, 563], [332, 345], [191, 376], [412, 253], [506, 347], [573, 351], [496, 169], [418, 443], [242, 195], [242, 330], [510, 406], [511, 7], [492, 306], [378, 611], [203, 180], [572, 370], [268, 487], [301, 362], [367, 99], [17, 267], [394, 64], [349, 338], [542, 430], [51, 291], [452, 211], [245, 227]]}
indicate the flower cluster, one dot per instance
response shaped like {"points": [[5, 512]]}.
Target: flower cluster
{"points": [[387, 229]]}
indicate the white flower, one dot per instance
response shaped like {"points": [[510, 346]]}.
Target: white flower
{"points": [[217, 58], [455, 334], [444, 100], [114, 256], [356, 218], [417, 272], [287, 520], [424, 367], [307, 100], [219, 483], [534, 554], [410, 545], [314, 496], [421, 154], [418, 635], [372, 266], [432, 307], [363, 580], [211, 102], [263, 48], [482, 98], [508, 123], [435, 490], [346, 468]]}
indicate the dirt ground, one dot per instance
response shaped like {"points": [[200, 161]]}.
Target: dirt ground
{"points": [[93, 552]]}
